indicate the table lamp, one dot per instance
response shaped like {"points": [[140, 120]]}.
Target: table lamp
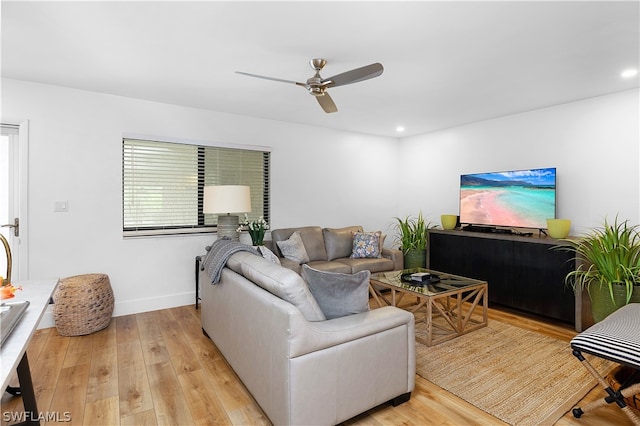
{"points": [[224, 200]]}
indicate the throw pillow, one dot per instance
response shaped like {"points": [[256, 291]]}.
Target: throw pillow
{"points": [[339, 242], [293, 249], [268, 254], [338, 294], [366, 244]]}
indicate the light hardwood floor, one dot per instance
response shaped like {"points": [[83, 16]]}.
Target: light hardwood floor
{"points": [[158, 368]]}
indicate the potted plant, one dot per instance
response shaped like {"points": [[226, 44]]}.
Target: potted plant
{"points": [[413, 236], [255, 228], [608, 266]]}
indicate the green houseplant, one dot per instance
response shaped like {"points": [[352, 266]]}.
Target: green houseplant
{"points": [[608, 266], [255, 228], [413, 237]]}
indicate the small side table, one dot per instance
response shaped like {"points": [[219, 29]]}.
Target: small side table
{"points": [[198, 259]]}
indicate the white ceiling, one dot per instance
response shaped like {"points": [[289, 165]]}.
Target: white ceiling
{"points": [[446, 63]]}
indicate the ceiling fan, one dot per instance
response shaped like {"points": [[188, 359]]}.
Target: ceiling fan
{"points": [[317, 86]]}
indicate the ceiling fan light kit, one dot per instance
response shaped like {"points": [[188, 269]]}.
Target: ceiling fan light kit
{"points": [[317, 86]]}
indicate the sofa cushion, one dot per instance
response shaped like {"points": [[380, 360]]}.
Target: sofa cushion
{"points": [[379, 264], [339, 241], [366, 244], [293, 248], [281, 282], [311, 237], [338, 294], [329, 266]]}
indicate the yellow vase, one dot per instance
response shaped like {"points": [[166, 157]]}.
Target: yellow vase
{"points": [[558, 228], [448, 221]]}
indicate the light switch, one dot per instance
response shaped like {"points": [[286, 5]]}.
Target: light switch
{"points": [[61, 206]]}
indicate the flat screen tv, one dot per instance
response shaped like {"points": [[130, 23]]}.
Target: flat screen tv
{"points": [[517, 198]]}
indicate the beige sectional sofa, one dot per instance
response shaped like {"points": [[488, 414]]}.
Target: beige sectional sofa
{"points": [[329, 249], [301, 368]]}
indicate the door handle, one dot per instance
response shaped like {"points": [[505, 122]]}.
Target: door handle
{"points": [[15, 225]]}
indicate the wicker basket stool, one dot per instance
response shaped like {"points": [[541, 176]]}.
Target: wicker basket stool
{"points": [[83, 304]]}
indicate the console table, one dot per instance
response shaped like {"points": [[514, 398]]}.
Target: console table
{"points": [[524, 273], [198, 260], [14, 350]]}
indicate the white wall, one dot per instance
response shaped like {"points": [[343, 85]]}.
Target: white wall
{"points": [[319, 176], [594, 143]]}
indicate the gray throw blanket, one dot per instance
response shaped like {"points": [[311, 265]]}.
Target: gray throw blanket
{"points": [[218, 254]]}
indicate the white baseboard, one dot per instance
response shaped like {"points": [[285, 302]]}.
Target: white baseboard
{"points": [[47, 318], [133, 306]]}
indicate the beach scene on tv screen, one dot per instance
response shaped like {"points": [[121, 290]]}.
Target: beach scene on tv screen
{"points": [[521, 198]]}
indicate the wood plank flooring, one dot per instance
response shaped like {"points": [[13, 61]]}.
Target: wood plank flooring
{"points": [[157, 368]]}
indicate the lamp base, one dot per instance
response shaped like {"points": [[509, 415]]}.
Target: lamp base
{"points": [[228, 227]]}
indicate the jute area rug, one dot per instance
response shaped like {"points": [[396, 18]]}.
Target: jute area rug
{"points": [[518, 376]]}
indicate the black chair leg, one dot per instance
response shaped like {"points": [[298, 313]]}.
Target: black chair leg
{"points": [[14, 390]]}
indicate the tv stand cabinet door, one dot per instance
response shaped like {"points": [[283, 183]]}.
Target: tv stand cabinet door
{"points": [[541, 288], [523, 274], [480, 258]]}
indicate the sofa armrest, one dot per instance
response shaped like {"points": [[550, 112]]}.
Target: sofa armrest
{"points": [[291, 264], [315, 336], [395, 255]]}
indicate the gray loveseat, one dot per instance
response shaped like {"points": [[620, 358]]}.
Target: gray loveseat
{"points": [[300, 368], [329, 250]]}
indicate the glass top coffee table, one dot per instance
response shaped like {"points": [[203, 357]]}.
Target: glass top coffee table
{"points": [[454, 305]]}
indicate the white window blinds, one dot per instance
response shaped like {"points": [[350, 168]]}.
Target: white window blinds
{"points": [[163, 184]]}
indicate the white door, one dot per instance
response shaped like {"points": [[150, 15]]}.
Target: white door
{"points": [[13, 200]]}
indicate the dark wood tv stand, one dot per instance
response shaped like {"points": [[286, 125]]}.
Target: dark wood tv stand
{"points": [[523, 272]]}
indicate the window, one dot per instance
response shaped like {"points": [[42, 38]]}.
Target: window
{"points": [[163, 183]]}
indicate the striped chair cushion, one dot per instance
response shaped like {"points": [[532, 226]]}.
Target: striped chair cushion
{"points": [[616, 338]]}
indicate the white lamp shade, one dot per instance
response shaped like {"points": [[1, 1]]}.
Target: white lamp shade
{"points": [[223, 199]]}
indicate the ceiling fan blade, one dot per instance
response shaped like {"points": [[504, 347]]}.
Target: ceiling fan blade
{"points": [[355, 75], [326, 103], [270, 78]]}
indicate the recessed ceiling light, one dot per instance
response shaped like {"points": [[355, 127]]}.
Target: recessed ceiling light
{"points": [[629, 73], [400, 129]]}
